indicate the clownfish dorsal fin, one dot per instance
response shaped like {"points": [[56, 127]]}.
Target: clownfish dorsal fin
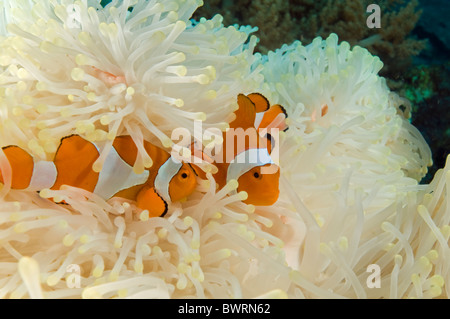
{"points": [[128, 151], [245, 114], [73, 160], [260, 101], [150, 200], [126, 148]]}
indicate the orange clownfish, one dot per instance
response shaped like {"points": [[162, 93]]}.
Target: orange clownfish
{"points": [[251, 165], [268, 116], [165, 182]]}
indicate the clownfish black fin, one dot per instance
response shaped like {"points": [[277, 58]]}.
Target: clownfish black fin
{"points": [[286, 115], [283, 110]]}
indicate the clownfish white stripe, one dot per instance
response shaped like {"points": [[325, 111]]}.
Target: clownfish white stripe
{"points": [[73, 165], [258, 118], [117, 175], [246, 160], [44, 176], [165, 174]]}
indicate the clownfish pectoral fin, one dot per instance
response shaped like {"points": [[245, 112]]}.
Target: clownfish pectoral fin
{"points": [[260, 101], [22, 165], [150, 200], [73, 160], [275, 117], [245, 115]]}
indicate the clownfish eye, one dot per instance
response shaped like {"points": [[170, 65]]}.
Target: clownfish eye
{"points": [[184, 175], [256, 175]]}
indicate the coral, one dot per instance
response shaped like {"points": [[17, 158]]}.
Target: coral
{"points": [[272, 18], [422, 86], [284, 21], [430, 88]]}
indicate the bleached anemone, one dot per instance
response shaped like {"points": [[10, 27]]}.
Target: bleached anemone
{"points": [[341, 107], [351, 165], [133, 67], [350, 200]]}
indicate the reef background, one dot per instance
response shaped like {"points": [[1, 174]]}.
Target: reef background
{"points": [[413, 43]]}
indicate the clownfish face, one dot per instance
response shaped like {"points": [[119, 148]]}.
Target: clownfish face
{"points": [[262, 188], [183, 183]]}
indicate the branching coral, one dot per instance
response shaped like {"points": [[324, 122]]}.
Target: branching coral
{"points": [[285, 21], [350, 165]]}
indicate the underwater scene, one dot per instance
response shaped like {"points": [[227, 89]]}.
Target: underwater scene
{"points": [[220, 149]]}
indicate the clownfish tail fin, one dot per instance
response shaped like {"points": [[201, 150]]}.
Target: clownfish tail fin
{"points": [[22, 165], [283, 110], [275, 117], [286, 127], [150, 200]]}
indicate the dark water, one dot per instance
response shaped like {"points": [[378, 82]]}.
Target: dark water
{"points": [[432, 116]]}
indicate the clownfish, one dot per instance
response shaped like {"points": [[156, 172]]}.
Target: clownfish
{"points": [[323, 112], [154, 189], [268, 116], [252, 165]]}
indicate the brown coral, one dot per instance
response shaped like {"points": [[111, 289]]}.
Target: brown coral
{"points": [[281, 21]]}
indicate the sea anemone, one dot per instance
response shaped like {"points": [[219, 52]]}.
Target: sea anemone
{"points": [[351, 162], [140, 68]]}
